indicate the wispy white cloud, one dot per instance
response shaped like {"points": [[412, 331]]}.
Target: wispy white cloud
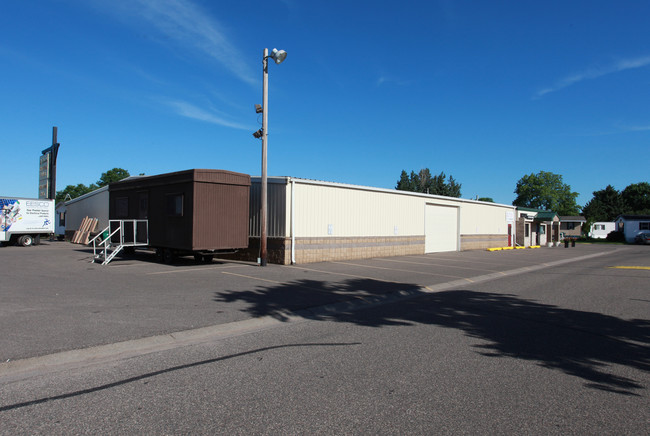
{"points": [[189, 110], [615, 129], [383, 79], [593, 73], [635, 128], [188, 25]]}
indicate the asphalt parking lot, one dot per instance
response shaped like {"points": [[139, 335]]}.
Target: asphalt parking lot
{"points": [[55, 299]]}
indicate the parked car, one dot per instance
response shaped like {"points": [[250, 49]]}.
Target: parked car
{"points": [[643, 237]]}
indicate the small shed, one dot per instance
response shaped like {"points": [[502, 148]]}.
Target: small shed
{"points": [[192, 210], [631, 225]]}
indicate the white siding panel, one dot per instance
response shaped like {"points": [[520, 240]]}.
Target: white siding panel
{"points": [[337, 211], [92, 205], [484, 218], [441, 228]]}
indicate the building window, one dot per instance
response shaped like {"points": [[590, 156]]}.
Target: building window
{"points": [[570, 226], [644, 226], [143, 205], [122, 207], [527, 231], [175, 205], [62, 218]]}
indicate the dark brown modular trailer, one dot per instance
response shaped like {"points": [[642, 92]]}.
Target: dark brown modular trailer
{"points": [[193, 211]]}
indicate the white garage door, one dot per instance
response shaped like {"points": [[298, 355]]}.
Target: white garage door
{"points": [[440, 228]]}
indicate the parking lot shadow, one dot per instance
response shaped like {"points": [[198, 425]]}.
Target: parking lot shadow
{"points": [[581, 344]]}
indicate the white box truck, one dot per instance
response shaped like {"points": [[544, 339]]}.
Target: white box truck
{"points": [[24, 221]]}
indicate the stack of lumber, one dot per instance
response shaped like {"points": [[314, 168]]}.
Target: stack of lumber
{"points": [[82, 235]]}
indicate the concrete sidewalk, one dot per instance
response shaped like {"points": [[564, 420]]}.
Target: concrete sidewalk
{"points": [[54, 300]]}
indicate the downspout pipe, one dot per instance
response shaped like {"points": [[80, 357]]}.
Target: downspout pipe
{"points": [[293, 231]]}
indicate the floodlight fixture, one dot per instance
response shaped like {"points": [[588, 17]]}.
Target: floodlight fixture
{"points": [[258, 109], [278, 55], [258, 134]]}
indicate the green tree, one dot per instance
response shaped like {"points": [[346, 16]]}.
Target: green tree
{"points": [[546, 190], [74, 191], [404, 182], [111, 176], [425, 183], [636, 198], [487, 199], [605, 205]]}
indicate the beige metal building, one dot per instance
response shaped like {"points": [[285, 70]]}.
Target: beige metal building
{"points": [[314, 221], [93, 205]]}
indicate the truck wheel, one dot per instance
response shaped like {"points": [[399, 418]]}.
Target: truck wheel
{"points": [[207, 258], [168, 256], [26, 240]]}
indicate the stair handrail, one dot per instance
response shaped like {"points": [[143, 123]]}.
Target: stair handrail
{"points": [[98, 235], [120, 231], [105, 242]]}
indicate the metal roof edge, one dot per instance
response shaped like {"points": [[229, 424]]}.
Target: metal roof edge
{"points": [[289, 179], [87, 194]]}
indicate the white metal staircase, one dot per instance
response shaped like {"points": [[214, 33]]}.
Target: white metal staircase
{"points": [[118, 235]]}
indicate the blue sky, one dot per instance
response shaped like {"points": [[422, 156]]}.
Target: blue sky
{"points": [[484, 91]]}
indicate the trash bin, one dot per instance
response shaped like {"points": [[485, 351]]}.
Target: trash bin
{"points": [[566, 243]]}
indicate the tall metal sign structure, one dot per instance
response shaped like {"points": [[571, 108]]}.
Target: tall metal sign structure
{"points": [[47, 169]]}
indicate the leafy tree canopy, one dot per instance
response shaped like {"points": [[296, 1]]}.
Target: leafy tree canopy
{"points": [[546, 190], [111, 176], [425, 183], [609, 203], [74, 191], [606, 205], [487, 199], [636, 198]]}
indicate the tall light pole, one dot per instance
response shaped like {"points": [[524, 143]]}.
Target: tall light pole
{"points": [[278, 56]]}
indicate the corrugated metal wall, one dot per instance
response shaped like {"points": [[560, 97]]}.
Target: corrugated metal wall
{"points": [[94, 205], [277, 193], [484, 218], [329, 210], [323, 209]]}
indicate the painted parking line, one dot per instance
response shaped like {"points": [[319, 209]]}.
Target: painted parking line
{"points": [[311, 288], [253, 277], [436, 264], [630, 267], [472, 261], [400, 270], [356, 276], [198, 268]]}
